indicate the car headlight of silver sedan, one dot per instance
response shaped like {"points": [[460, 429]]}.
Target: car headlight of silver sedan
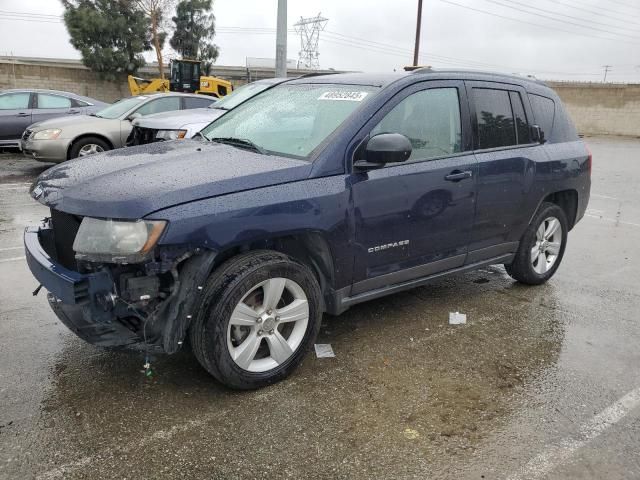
{"points": [[48, 134], [170, 134], [116, 241]]}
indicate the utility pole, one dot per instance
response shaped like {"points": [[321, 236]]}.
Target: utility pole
{"points": [[607, 68], [281, 40], [416, 49]]}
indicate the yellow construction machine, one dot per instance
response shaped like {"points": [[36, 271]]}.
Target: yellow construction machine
{"points": [[184, 77]]}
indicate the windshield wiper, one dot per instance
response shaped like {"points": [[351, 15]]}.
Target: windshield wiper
{"points": [[241, 143]]}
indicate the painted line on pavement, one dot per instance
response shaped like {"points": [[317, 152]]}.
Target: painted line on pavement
{"points": [[4, 249], [559, 453], [14, 259], [603, 196], [612, 220]]}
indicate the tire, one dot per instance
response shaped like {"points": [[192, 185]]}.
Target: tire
{"points": [[539, 256], [239, 288], [86, 144]]}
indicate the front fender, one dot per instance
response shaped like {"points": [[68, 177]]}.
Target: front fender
{"points": [[253, 218]]}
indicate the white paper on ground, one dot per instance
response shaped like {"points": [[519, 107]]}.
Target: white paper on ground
{"points": [[324, 350], [457, 318]]}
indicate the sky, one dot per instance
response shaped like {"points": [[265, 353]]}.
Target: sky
{"points": [[551, 39]]}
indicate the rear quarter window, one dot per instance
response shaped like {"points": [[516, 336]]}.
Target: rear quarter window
{"points": [[553, 119], [543, 113]]}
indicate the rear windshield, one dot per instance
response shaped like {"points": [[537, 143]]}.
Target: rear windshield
{"points": [[291, 120]]}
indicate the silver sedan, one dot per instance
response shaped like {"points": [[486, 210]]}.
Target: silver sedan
{"points": [[60, 139]]}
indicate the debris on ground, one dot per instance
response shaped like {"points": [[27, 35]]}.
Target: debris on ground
{"points": [[410, 434], [324, 350], [457, 318]]}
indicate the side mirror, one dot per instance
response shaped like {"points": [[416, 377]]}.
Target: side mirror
{"points": [[537, 135], [385, 148], [134, 116]]}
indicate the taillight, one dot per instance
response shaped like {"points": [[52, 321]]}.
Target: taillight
{"points": [[589, 160]]}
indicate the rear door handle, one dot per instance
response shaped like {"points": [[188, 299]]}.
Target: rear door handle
{"points": [[73, 112], [458, 175], [23, 114]]}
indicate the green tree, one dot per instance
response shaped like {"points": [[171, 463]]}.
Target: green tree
{"points": [[110, 34], [195, 27]]}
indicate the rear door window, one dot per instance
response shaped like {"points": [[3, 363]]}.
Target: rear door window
{"points": [[430, 119], [53, 101], [496, 126], [194, 102], [165, 104], [544, 113]]}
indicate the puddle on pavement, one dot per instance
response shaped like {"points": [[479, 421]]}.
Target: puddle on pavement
{"points": [[399, 368]]}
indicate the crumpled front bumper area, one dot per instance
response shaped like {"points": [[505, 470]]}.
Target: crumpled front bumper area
{"points": [[72, 295]]}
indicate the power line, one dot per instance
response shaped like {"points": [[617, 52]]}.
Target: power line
{"points": [[548, 27], [581, 19], [453, 61], [624, 4], [555, 19], [600, 13]]}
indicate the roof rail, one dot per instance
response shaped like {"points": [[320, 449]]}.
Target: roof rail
{"points": [[418, 68], [317, 74]]}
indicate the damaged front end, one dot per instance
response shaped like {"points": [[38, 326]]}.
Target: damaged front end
{"points": [[136, 295]]}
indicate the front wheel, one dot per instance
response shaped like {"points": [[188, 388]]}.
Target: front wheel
{"points": [[259, 315], [88, 146], [541, 247]]}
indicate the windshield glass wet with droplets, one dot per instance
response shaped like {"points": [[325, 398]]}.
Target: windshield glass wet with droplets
{"points": [[291, 120]]}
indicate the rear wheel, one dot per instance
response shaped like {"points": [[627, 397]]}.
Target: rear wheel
{"points": [[541, 247], [259, 315], [88, 146]]}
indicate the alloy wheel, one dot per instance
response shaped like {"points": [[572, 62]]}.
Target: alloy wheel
{"points": [[89, 149], [268, 325], [546, 248]]}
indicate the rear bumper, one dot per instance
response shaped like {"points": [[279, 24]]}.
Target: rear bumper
{"points": [[72, 295]]}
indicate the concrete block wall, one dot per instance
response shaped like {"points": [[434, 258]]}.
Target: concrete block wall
{"points": [[72, 76], [67, 78], [602, 109]]}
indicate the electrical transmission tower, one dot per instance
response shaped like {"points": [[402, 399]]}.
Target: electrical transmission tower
{"points": [[309, 30]]}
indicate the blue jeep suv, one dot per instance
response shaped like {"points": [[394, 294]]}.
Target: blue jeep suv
{"points": [[319, 194]]}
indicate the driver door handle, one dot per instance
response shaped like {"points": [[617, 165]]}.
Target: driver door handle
{"points": [[23, 114], [458, 175]]}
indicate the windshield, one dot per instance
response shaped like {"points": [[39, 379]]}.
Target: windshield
{"points": [[120, 107], [240, 95], [290, 120]]}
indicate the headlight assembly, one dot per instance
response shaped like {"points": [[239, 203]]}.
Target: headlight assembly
{"points": [[48, 134], [170, 134], [116, 241]]}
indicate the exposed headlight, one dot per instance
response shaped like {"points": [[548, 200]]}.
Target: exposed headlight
{"points": [[116, 241], [48, 134], [170, 134]]}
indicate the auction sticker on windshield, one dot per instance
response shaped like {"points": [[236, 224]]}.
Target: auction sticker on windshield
{"points": [[348, 96]]}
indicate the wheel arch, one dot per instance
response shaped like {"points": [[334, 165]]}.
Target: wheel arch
{"points": [[567, 200], [87, 135], [309, 248]]}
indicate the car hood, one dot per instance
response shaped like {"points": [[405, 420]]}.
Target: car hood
{"points": [[69, 121], [134, 182], [175, 120]]}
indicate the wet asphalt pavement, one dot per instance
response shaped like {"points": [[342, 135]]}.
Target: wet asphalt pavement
{"points": [[542, 382]]}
